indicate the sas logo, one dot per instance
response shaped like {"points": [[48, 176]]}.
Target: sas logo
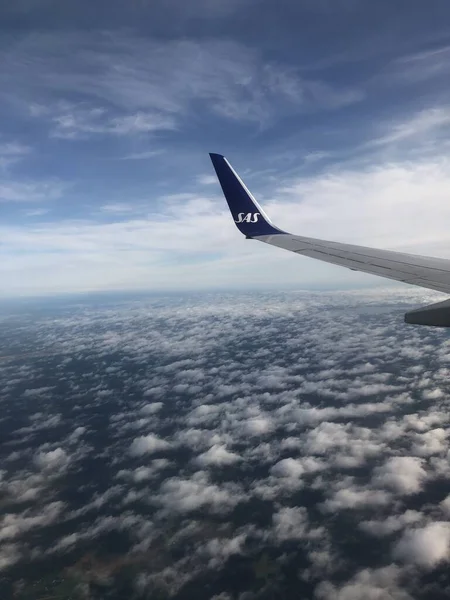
{"points": [[247, 218]]}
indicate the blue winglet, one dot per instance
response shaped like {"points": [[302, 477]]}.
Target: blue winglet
{"points": [[249, 217]]}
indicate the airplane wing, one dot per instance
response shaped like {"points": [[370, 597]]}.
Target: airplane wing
{"points": [[423, 271]]}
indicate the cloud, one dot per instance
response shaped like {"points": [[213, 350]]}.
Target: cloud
{"points": [[431, 442], [187, 495], [151, 408], [32, 191], [389, 187], [143, 155], [227, 78], [218, 455], [351, 498], [258, 425], [207, 179], [9, 555], [13, 525], [221, 549], [74, 122], [54, 460], [426, 546], [222, 497], [148, 444], [421, 125], [189, 242], [12, 152], [290, 523], [372, 584], [393, 523], [404, 474], [295, 468], [420, 67]]}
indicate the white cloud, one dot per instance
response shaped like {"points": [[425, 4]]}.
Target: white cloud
{"points": [[11, 153], [14, 525], [354, 498], [371, 584], [404, 474], [424, 123], [432, 394], [186, 495], [258, 426], [148, 444], [53, 461], [445, 505], [426, 546], [221, 549], [431, 442], [295, 468], [207, 179], [229, 78], [143, 155], [73, 122], [32, 191], [151, 408], [290, 523], [392, 523], [218, 455]]}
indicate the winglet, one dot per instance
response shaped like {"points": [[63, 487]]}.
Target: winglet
{"points": [[249, 217]]}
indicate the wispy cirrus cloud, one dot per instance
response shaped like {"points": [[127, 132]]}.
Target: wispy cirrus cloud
{"points": [[426, 126], [143, 155], [131, 93], [32, 191], [76, 122], [11, 153], [422, 66]]}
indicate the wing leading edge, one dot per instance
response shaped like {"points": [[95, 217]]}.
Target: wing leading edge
{"points": [[413, 269]]}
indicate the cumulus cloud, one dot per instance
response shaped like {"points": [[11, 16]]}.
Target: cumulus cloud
{"points": [[258, 426], [148, 444], [151, 408], [426, 546], [54, 460], [373, 584], [187, 495], [13, 525], [431, 442], [218, 455], [353, 497], [219, 550], [391, 524], [289, 471], [404, 474], [290, 523]]}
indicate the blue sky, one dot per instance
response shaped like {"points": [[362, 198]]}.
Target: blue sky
{"points": [[335, 113]]}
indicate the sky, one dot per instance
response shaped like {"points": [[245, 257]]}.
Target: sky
{"points": [[335, 113]]}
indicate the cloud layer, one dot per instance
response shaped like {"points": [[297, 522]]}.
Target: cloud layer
{"points": [[299, 438]]}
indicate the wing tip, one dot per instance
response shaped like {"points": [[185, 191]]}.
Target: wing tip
{"points": [[248, 216], [216, 157]]}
